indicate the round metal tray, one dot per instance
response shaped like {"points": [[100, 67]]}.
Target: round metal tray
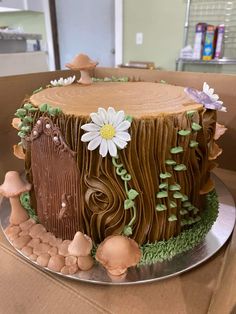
{"points": [[215, 239]]}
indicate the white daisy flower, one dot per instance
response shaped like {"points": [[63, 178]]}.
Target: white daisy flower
{"points": [[63, 82], [108, 129]]}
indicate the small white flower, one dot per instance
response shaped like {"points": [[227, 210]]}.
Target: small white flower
{"points": [[108, 129], [214, 97], [63, 82]]}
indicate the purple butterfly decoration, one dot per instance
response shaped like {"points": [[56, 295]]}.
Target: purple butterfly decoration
{"points": [[203, 99]]}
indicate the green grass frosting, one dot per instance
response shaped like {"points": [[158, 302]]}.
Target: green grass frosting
{"points": [[186, 240]]}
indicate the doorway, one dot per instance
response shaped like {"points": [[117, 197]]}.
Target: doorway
{"points": [[86, 27]]}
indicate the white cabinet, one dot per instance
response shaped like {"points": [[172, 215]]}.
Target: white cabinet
{"points": [[24, 5]]}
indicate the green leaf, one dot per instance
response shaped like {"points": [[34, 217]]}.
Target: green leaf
{"points": [[27, 119], [163, 82], [21, 134], [27, 106], [163, 185], [170, 162], [129, 118], [174, 187], [184, 198], [196, 126], [37, 90], [183, 212], [186, 204], [180, 167], [190, 113], [196, 210], [172, 218], [165, 175], [25, 128], [128, 204], [33, 109], [161, 207], [20, 113], [190, 208], [177, 195], [107, 79], [173, 204], [176, 150], [132, 194], [193, 144], [162, 194], [184, 132], [127, 231], [44, 107]]}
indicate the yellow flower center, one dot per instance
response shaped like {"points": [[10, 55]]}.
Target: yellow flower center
{"points": [[107, 131]]}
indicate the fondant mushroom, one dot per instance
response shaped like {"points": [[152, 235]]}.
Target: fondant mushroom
{"points": [[18, 151], [12, 187], [82, 63], [117, 253], [15, 123], [81, 247]]}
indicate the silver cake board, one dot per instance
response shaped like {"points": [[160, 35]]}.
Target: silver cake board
{"points": [[215, 239]]}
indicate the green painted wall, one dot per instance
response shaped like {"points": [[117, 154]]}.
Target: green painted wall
{"points": [[31, 22], [162, 25]]}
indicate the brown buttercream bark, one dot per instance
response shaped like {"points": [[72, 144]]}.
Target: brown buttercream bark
{"points": [[88, 183]]}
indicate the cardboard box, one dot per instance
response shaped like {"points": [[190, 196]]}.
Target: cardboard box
{"points": [[209, 288]]}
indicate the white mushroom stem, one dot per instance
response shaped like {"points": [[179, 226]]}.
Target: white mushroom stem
{"points": [[85, 78], [18, 213]]}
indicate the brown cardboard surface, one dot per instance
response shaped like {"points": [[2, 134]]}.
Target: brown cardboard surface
{"points": [[26, 289]]}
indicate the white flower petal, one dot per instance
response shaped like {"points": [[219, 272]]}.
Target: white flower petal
{"points": [[123, 126], [103, 148], [124, 136], [214, 97], [112, 148], [223, 109], [211, 91], [89, 136], [103, 114], [111, 114], [96, 118], [94, 143], [205, 88], [120, 115], [90, 127], [119, 143]]}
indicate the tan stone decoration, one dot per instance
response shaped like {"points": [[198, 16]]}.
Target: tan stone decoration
{"points": [[84, 64], [12, 188], [117, 253]]}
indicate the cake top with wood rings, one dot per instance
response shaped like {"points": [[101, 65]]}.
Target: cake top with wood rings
{"points": [[139, 99]]}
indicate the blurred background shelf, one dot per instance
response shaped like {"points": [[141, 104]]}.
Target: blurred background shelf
{"points": [[223, 61]]}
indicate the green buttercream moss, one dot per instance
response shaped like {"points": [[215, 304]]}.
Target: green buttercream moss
{"points": [[25, 202], [186, 240], [173, 204]]}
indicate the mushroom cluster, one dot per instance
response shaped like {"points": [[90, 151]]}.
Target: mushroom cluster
{"points": [[84, 64]]}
